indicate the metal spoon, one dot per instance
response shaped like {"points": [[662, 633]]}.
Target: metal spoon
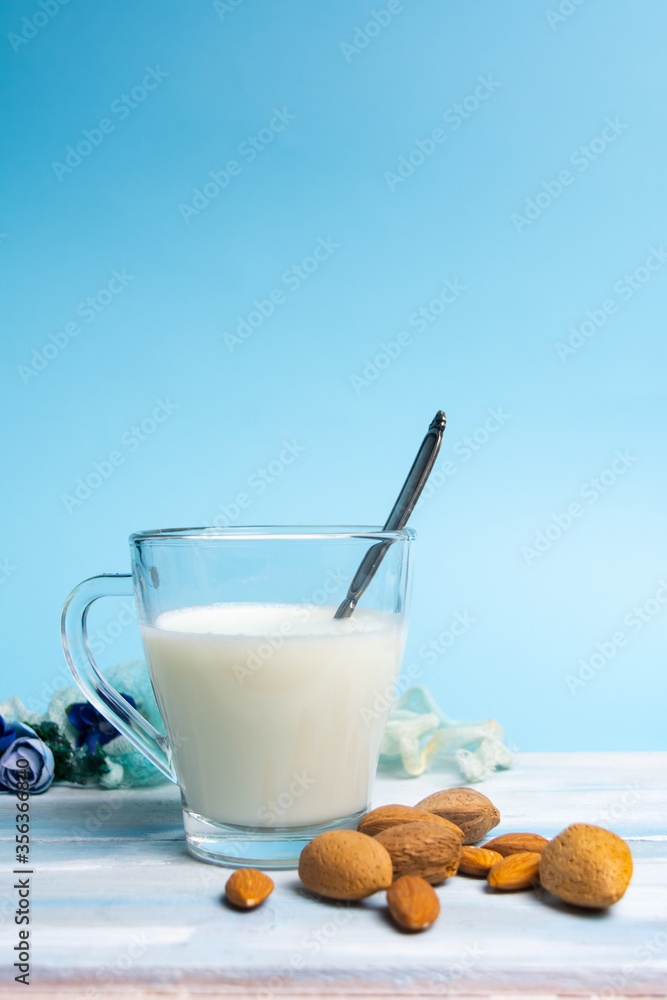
{"points": [[404, 506]]}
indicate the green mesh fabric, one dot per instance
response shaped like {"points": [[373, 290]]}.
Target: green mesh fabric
{"points": [[125, 766]]}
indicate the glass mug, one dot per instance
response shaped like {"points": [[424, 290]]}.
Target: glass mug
{"points": [[273, 709]]}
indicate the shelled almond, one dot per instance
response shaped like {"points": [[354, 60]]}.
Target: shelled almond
{"points": [[248, 887], [413, 903], [516, 871], [477, 861]]}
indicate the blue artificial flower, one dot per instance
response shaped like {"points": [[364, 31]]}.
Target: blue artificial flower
{"points": [[19, 742], [92, 728]]}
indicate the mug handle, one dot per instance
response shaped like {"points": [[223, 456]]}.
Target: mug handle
{"points": [[96, 688]]}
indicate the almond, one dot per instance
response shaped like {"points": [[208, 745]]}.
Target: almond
{"points": [[248, 887], [413, 903], [423, 849], [586, 865], [515, 843], [516, 871], [477, 861], [345, 864], [384, 817], [467, 808]]}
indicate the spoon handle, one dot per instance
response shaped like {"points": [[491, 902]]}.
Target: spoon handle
{"points": [[404, 506]]}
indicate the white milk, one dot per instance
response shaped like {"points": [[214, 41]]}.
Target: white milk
{"points": [[275, 712]]}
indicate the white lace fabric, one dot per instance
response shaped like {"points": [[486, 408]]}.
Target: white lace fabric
{"points": [[418, 731]]}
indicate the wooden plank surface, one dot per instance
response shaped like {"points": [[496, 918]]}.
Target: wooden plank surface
{"points": [[120, 908]]}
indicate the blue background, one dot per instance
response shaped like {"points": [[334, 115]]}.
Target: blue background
{"points": [[308, 374]]}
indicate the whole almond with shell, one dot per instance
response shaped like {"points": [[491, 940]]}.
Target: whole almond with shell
{"points": [[587, 866], [248, 887], [516, 871], [423, 849], [413, 903], [345, 864], [467, 808], [477, 861], [384, 817], [515, 843]]}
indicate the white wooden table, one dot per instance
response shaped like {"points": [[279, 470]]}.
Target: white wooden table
{"points": [[119, 908]]}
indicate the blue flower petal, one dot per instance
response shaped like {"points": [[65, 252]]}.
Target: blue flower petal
{"points": [[93, 729], [41, 765]]}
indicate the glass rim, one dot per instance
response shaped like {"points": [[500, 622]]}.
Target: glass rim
{"points": [[273, 532]]}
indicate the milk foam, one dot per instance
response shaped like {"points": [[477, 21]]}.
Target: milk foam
{"points": [[254, 620]]}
